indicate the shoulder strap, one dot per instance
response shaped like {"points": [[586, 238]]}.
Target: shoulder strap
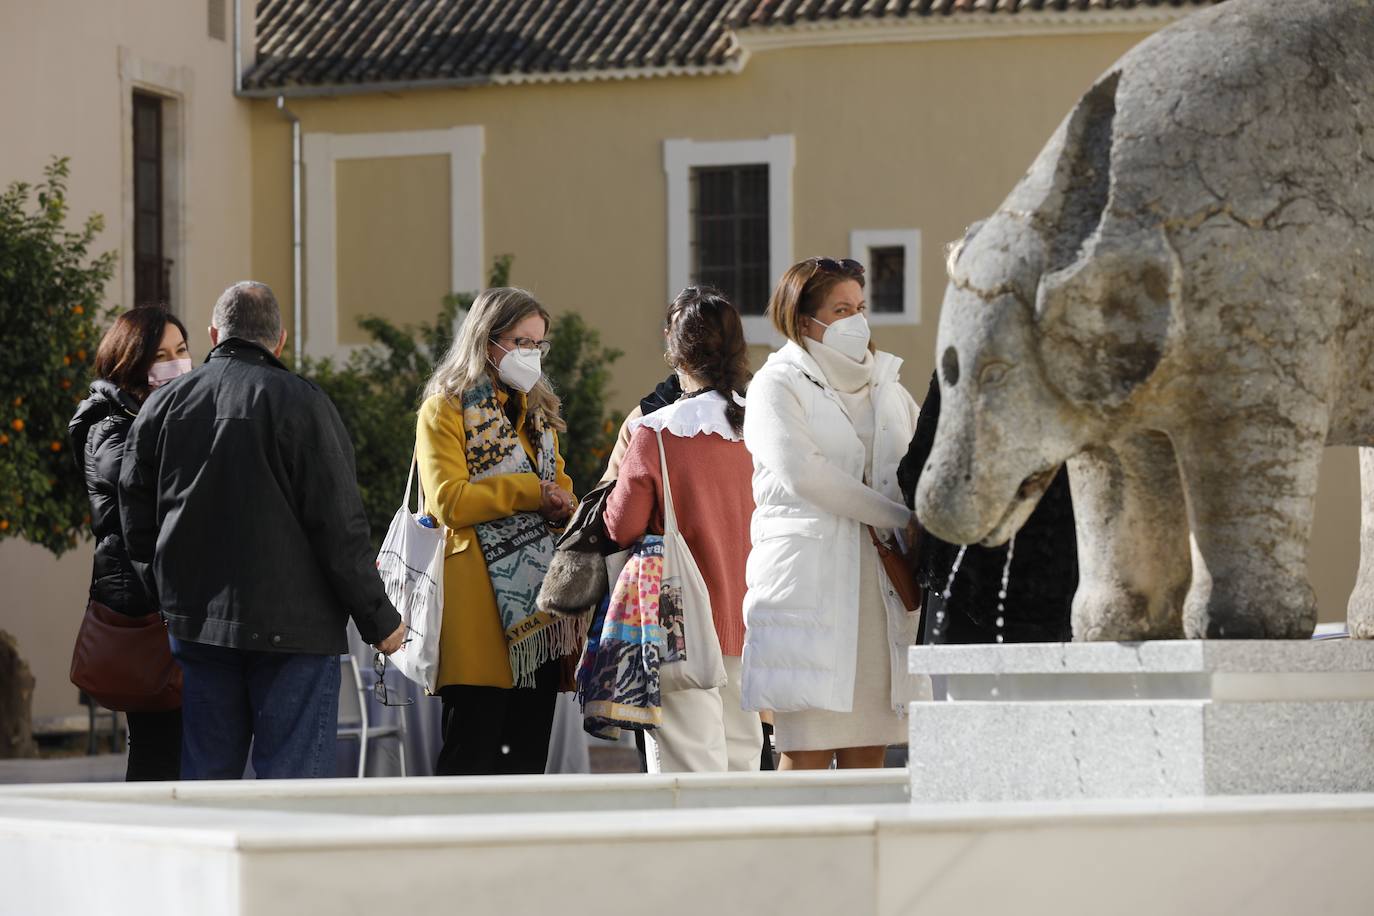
{"points": [[418, 488], [669, 517]]}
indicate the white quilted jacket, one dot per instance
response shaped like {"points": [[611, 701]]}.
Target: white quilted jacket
{"points": [[801, 610]]}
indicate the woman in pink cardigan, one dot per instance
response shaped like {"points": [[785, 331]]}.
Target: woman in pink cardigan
{"points": [[711, 475]]}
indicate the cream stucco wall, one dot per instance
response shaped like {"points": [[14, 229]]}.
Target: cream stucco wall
{"points": [[393, 240], [69, 69], [924, 135]]}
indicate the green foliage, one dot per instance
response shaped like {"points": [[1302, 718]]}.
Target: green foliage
{"points": [[580, 369], [50, 295], [377, 392]]}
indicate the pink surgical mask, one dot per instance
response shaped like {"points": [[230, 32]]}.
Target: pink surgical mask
{"points": [[162, 373]]}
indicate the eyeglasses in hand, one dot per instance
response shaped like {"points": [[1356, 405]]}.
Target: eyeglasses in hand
{"points": [[379, 691]]}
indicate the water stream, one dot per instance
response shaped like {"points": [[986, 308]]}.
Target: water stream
{"points": [[944, 596], [1001, 621]]}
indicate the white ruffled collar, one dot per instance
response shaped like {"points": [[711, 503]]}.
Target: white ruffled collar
{"points": [[695, 416]]}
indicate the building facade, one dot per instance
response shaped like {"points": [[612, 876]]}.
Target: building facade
{"points": [[379, 155]]}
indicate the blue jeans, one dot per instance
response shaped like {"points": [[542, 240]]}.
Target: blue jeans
{"points": [[284, 705]]}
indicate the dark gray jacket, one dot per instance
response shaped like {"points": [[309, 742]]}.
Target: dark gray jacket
{"points": [[241, 511]]}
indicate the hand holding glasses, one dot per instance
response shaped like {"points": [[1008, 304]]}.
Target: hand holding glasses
{"points": [[379, 691]]}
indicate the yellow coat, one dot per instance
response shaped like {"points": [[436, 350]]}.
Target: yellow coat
{"points": [[472, 643]]}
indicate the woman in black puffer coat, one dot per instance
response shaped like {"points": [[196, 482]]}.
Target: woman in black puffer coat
{"points": [[1044, 566], [144, 349]]}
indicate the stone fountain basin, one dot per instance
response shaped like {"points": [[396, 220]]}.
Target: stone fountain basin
{"points": [[832, 843]]}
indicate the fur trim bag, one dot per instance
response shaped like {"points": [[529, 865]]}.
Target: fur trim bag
{"points": [[577, 579]]}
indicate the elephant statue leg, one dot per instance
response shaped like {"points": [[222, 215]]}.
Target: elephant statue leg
{"points": [[1360, 611], [1133, 555], [1251, 496]]}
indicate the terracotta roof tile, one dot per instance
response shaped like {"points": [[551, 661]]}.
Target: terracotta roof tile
{"points": [[361, 43]]}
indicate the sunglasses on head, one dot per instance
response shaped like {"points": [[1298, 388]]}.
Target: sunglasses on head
{"points": [[847, 267]]}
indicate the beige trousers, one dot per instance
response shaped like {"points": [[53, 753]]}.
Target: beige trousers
{"points": [[706, 731]]}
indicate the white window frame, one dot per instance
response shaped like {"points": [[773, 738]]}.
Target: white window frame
{"points": [[464, 147], [861, 241], [680, 156]]}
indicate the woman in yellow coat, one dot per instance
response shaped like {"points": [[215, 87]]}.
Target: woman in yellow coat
{"points": [[487, 439]]}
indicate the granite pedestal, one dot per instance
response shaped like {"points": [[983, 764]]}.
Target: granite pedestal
{"points": [[1143, 720]]}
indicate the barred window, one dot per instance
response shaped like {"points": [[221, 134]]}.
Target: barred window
{"points": [[152, 280], [730, 241], [886, 279]]}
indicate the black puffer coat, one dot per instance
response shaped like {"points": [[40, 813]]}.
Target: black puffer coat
{"points": [[1044, 569], [97, 433]]}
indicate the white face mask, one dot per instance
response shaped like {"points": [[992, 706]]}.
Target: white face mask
{"points": [[520, 368], [848, 335], [162, 373]]}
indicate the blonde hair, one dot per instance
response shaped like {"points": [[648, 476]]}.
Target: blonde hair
{"points": [[466, 364]]}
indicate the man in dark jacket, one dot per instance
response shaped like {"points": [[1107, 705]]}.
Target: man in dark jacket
{"points": [[241, 512]]}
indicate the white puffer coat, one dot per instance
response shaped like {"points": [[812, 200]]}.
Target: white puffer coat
{"points": [[801, 610]]}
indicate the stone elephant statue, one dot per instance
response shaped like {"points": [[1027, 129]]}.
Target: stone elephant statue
{"points": [[1178, 301]]}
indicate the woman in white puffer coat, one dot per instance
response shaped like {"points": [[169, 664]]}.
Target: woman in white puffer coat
{"points": [[828, 423]]}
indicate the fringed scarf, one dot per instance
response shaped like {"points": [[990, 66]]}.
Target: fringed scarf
{"points": [[518, 548]]}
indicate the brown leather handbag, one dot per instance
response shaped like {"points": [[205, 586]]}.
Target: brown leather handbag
{"points": [[901, 568], [125, 663]]}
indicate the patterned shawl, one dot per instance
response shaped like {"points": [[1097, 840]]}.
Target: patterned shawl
{"points": [[517, 548], [617, 679]]}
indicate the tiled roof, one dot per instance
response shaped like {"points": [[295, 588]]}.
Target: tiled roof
{"points": [[793, 12], [355, 44]]}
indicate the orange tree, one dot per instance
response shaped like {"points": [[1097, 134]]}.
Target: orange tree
{"points": [[50, 295]]}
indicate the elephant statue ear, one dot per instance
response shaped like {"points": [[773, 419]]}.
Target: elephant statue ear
{"points": [[1103, 301], [1069, 184], [1103, 322]]}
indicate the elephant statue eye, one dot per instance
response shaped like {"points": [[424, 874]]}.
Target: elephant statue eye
{"points": [[949, 365], [993, 374]]}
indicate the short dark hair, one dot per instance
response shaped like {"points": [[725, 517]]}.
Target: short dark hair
{"points": [[706, 339], [248, 310], [129, 348]]}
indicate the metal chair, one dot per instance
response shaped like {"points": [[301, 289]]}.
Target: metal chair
{"points": [[354, 724]]}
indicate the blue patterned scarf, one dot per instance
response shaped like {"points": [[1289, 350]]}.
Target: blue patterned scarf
{"points": [[517, 548]]}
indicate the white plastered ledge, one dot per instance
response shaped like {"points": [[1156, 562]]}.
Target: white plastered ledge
{"points": [[808, 843]]}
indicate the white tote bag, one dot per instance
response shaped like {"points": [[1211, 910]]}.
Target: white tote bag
{"points": [[682, 584], [411, 565]]}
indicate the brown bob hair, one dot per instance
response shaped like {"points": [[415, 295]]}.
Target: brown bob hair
{"points": [[129, 348], [801, 291], [706, 340]]}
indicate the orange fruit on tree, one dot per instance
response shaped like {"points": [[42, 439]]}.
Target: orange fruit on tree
{"points": [[56, 446], [78, 309], [4, 524], [17, 425], [81, 355]]}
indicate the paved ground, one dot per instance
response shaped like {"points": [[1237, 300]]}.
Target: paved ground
{"points": [[100, 768]]}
